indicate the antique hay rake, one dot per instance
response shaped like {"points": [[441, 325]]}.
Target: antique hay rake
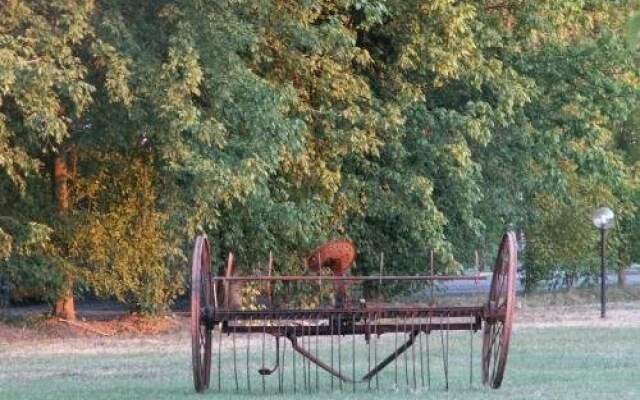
{"points": [[322, 341]]}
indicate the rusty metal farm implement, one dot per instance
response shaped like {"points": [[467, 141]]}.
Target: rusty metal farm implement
{"points": [[323, 350]]}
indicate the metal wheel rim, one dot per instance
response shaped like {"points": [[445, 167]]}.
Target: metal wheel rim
{"points": [[497, 329], [200, 298]]}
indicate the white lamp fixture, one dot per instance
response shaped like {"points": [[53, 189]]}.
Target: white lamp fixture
{"points": [[603, 218]]}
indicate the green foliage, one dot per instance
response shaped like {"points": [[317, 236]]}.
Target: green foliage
{"points": [[273, 125], [118, 236], [633, 31], [6, 244], [28, 262], [42, 82], [586, 90], [563, 243]]}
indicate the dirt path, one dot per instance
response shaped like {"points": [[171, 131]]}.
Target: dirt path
{"points": [[128, 327], [618, 315]]}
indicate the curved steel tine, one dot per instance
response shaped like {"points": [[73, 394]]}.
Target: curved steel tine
{"points": [[448, 331], [264, 371], [304, 364], [375, 352], [368, 344], [413, 353], [284, 361], [420, 353], [309, 362], [263, 368], [340, 349], [294, 366], [332, 365], [248, 354], [471, 355], [395, 360], [220, 358], [353, 350], [445, 351], [317, 336], [405, 357], [235, 361], [309, 346], [428, 352], [447, 334]]}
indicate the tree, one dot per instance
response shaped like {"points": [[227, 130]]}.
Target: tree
{"points": [[274, 124], [119, 239], [43, 92], [585, 88]]}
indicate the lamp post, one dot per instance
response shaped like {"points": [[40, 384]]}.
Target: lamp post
{"points": [[603, 219]]}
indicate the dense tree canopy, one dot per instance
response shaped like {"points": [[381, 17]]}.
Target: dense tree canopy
{"points": [[271, 125]]}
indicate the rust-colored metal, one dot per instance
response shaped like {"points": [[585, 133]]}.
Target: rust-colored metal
{"points": [[407, 324], [499, 313], [200, 300], [337, 256], [353, 278]]}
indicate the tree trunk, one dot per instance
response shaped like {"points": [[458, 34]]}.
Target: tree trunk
{"points": [[61, 188], [64, 306], [570, 280], [622, 278]]}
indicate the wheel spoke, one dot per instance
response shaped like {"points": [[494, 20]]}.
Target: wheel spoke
{"points": [[202, 344], [497, 342], [497, 331]]}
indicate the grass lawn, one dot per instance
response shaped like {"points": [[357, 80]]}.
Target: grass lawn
{"points": [[546, 361]]}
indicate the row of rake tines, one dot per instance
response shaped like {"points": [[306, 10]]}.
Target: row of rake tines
{"points": [[412, 366]]}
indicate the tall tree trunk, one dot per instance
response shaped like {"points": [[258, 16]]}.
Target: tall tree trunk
{"points": [[64, 306], [622, 277]]}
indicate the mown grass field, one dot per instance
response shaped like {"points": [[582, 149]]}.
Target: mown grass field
{"points": [[559, 356]]}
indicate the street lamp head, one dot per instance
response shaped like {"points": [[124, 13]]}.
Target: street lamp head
{"points": [[603, 218]]}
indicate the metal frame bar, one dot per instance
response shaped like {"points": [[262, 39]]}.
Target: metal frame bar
{"points": [[380, 278], [379, 329], [210, 314]]}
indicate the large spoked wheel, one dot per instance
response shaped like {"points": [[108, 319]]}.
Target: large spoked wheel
{"points": [[200, 298], [499, 313]]}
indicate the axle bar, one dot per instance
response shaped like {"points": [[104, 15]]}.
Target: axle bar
{"points": [[365, 329], [210, 315]]}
